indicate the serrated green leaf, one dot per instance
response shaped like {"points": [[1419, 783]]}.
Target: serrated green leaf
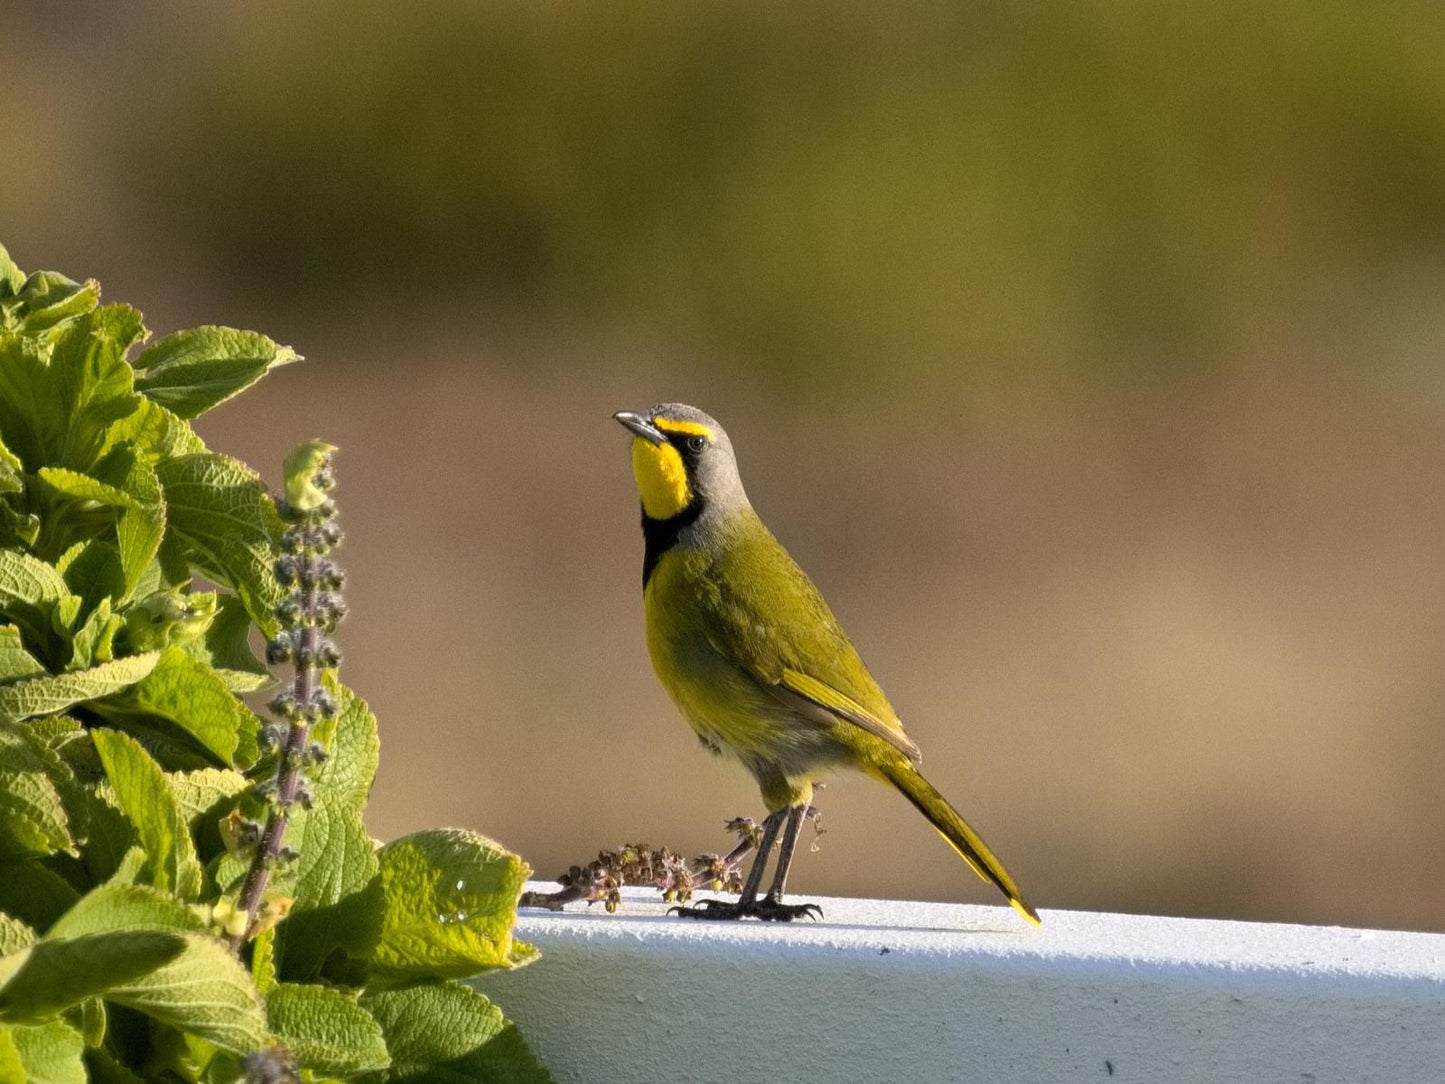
{"points": [[226, 648], [11, 277], [326, 1030], [352, 746], [59, 973], [204, 796], [15, 661], [185, 695], [44, 695], [50, 1053], [110, 836], [335, 887], [169, 617], [449, 1034], [142, 524], [93, 381], [92, 571], [35, 597], [198, 793], [192, 371], [94, 641], [300, 470], [15, 935], [75, 486], [203, 991], [229, 525], [263, 959], [156, 433], [46, 298], [28, 579], [33, 820], [450, 904], [114, 907], [141, 791], [33, 892]]}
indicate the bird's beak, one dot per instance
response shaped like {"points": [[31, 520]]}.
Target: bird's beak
{"points": [[639, 424]]}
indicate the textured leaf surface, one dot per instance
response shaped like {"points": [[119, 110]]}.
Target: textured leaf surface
{"points": [[450, 904], [328, 1031], [14, 935], [91, 382], [450, 1034], [33, 594], [353, 748], [33, 820], [336, 889], [226, 648], [155, 432], [198, 793], [50, 1053], [186, 694], [15, 661], [93, 571], [300, 469], [143, 522], [220, 509], [140, 790], [204, 991], [46, 695], [57, 974], [125, 907], [192, 371]]}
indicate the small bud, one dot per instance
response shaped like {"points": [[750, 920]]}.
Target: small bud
{"points": [[274, 1066], [235, 925], [328, 655], [315, 753], [290, 612], [281, 649], [331, 533], [324, 703], [288, 570]]}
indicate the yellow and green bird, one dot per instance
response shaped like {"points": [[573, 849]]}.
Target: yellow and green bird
{"points": [[753, 658]]}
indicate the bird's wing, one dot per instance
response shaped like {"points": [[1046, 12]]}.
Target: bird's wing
{"points": [[766, 614], [844, 707]]}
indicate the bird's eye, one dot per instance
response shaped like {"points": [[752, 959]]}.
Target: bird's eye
{"points": [[696, 444]]}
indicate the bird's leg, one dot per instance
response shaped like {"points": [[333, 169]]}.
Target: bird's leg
{"points": [[747, 902], [772, 905]]}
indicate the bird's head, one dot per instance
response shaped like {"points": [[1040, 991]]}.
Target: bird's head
{"points": [[682, 460]]}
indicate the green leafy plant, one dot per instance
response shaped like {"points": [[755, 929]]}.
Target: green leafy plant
{"points": [[186, 894]]}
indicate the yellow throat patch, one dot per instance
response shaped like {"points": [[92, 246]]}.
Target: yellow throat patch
{"points": [[661, 478]]}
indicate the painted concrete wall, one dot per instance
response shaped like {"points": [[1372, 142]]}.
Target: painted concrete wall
{"points": [[886, 991]]}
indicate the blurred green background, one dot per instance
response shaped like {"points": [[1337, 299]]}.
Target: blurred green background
{"points": [[1087, 354]]}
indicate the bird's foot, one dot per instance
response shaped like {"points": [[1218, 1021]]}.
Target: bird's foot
{"points": [[767, 909]]}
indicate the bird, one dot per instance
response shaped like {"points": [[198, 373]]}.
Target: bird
{"points": [[751, 655]]}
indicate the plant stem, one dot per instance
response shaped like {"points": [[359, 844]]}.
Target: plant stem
{"points": [[289, 773]]}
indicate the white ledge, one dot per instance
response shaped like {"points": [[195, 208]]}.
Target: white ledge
{"points": [[883, 991]]}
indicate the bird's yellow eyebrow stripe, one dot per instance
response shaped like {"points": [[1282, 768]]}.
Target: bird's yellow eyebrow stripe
{"points": [[687, 429]]}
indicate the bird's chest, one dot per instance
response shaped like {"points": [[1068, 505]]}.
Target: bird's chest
{"points": [[717, 696]]}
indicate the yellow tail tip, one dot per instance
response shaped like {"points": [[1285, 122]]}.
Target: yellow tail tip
{"points": [[1028, 914]]}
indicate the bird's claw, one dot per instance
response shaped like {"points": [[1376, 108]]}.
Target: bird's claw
{"points": [[766, 909]]}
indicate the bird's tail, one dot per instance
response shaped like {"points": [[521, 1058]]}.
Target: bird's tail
{"points": [[971, 848]]}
